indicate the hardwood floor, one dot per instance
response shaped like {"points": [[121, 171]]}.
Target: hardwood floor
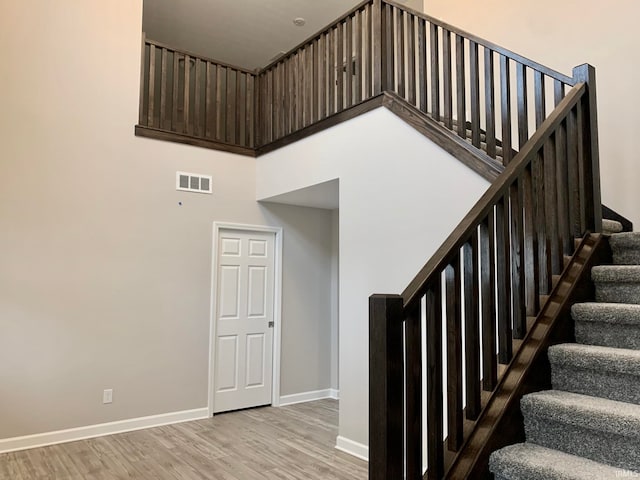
{"points": [[288, 443]]}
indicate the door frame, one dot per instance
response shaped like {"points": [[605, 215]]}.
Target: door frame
{"points": [[277, 305]]}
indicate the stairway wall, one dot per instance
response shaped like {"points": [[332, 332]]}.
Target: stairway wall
{"points": [[562, 35], [400, 197]]}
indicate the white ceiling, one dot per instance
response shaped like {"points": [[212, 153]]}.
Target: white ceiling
{"points": [[245, 33]]}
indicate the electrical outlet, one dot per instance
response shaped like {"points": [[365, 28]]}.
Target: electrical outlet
{"points": [[107, 396]]}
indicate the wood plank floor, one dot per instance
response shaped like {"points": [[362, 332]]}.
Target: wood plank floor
{"points": [[288, 443]]}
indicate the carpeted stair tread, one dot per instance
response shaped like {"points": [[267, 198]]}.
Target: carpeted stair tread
{"points": [[528, 461], [611, 226], [616, 273], [616, 313], [604, 372], [594, 357], [626, 248], [585, 411]]}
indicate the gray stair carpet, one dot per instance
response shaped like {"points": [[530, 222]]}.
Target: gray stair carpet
{"points": [[528, 461], [588, 426], [617, 283], [582, 425], [605, 372], [611, 226], [608, 324], [626, 248]]}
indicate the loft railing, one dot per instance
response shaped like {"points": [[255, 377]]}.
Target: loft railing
{"points": [[476, 292], [191, 95], [488, 95]]}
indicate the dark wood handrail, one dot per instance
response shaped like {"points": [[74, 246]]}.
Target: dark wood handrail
{"points": [[442, 257]]}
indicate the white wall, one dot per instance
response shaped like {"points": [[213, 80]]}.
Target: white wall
{"points": [[400, 196], [104, 277], [562, 35]]}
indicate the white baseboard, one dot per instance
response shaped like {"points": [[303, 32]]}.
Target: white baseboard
{"points": [[91, 431], [308, 396], [353, 448]]}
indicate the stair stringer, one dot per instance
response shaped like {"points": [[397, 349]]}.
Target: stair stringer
{"points": [[501, 423]]}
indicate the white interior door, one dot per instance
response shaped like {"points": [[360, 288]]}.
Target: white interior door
{"points": [[244, 319]]}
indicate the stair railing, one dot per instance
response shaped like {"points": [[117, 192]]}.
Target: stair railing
{"points": [[478, 292]]}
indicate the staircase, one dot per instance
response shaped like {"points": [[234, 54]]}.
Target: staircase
{"points": [[588, 426]]}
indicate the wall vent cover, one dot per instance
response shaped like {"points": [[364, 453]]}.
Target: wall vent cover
{"points": [[194, 182]]}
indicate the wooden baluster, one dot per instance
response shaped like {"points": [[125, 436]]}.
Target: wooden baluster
{"points": [[447, 80], [385, 387], [435, 73], [488, 295], [544, 245], [413, 404], [296, 118], [349, 61], [454, 355], [209, 90], [523, 110], [250, 111], [388, 26], [503, 285], [163, 89], [400, 65], [357, 25], [308, 84], [558, 92], [152, 87], [564, 221], [474, 74], [573, 175], [196, 99], [315, 116], [551, 202], [241, 111], [518, 311], [220, 110], [490, 102], [379, 47], [472, 326], [581, 168], [230, 110], [411, 60], [540, 98], [531, 263], [322, 76], [505, 101], [422, 64], [187, 126], [143, 78], [174, 93], [287, 87], [461, 101], [332, 72], [340, 61], [435, 445], [368, 67]]}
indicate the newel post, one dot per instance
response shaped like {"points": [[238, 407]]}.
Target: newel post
{"points": [[587, 73], [385, 388]]}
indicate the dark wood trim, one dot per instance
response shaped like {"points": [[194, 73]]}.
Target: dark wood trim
{"points": [[446, 139], [500, 422], [157, 134], [608, 213]]}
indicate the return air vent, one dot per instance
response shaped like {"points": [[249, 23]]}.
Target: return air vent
{"points": [[193, 182]]}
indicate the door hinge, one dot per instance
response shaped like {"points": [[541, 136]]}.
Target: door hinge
{"points": [[270, 324]]}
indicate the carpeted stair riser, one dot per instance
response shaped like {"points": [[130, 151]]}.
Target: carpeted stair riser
{"points": [[617, 283], [607, 324], [610, 436], [526, 461], [603, 372], [610, 227], [626, 248]]}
